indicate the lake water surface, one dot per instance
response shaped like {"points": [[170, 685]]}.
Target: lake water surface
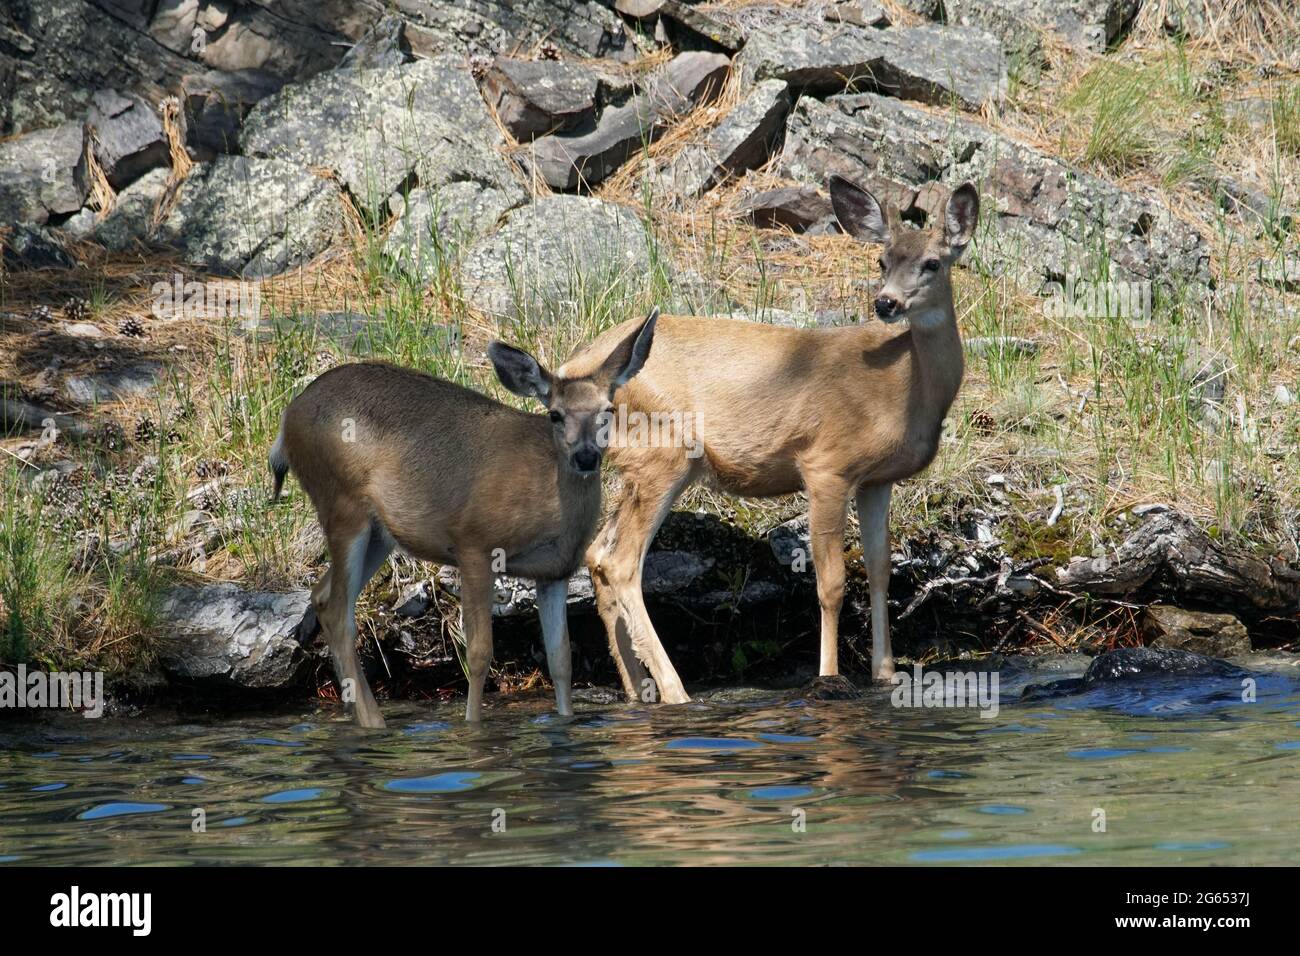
{"points": [[1183, 770]]}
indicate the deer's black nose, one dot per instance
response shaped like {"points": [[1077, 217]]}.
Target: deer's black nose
{"points": [[886, 305], [586, 460]]}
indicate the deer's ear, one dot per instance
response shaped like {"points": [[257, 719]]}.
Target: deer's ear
{"points": [[630, 356], [961, 216], [520, 372], [859, 212]]}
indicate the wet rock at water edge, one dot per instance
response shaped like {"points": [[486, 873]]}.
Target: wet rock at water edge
{"points": [[1214, 635], [835, 687], [226, 635], [1134, 664]]}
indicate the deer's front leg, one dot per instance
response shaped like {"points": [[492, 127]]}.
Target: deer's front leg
{"points": [[827, 511], [552, 599], [873, 518]]}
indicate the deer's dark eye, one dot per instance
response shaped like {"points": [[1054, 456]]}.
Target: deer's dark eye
{"points": [[557, 417], [930, 265]]}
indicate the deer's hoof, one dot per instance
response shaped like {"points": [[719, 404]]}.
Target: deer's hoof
{"points": [[830, 687]]}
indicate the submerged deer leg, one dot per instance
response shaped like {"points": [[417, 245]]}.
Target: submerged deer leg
{"points": [[828, 503], [552, 600], [873, 517]]}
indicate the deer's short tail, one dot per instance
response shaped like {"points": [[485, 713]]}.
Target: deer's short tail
{"points": [[278, 462]]}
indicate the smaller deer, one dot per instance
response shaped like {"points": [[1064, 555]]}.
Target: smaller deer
{"points": [[393, 457]]}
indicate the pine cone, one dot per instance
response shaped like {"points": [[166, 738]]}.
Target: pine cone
{"points": [[76, 309], [41, 313], [132, 326], [111, 436], [547, 50], [983, 422], [145, 430]]}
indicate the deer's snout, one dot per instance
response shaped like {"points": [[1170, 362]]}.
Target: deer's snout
{"points": [[886, 306], [586, 460]]}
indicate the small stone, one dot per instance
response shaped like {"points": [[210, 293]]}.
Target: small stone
{"points": [[1213, 635]]}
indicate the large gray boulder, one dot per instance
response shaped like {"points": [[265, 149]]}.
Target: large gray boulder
{"points": [[431, 225], [1043, 218], [550, 249], [216, 104], [38, 175], [534, 97], [930, 63], [586, 28], [252, 217], [744, 140], [587, 156], [1091, 25], [228, 636], [380, 130], [57, 53], [129, 137], [131, 218]]}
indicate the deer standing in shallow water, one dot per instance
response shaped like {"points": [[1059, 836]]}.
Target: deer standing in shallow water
{"points": [[392, 457], [836, 412]]}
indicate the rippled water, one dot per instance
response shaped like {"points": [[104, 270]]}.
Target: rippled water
{"points": [[1184, 771]]}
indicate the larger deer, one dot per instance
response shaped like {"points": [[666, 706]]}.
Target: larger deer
{"points": [[390, 456], [836, 412]]}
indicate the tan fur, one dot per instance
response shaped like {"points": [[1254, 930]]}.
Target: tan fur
{"points": [[836, 412], [392, 456]]}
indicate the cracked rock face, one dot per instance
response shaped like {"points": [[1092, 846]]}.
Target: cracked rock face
{"points": [[432, 223], [927, 62], [583, 27], [1044, 219], [252, 217], [224, 634], [534, 97], [591, 153], [38, 175], [379, 130], [1084, 24]]}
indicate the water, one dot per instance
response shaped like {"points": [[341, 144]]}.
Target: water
{"points": [[1184, 771]]}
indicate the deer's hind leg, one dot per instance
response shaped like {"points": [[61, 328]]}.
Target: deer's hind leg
{"points": [[357, 548], [616, 559], [476, 590]]}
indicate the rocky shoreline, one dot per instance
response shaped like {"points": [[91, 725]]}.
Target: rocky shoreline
{"points": [[502, 158]]}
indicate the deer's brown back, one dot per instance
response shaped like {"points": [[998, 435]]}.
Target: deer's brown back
{"points": [[443, 467], [773, 400]]}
